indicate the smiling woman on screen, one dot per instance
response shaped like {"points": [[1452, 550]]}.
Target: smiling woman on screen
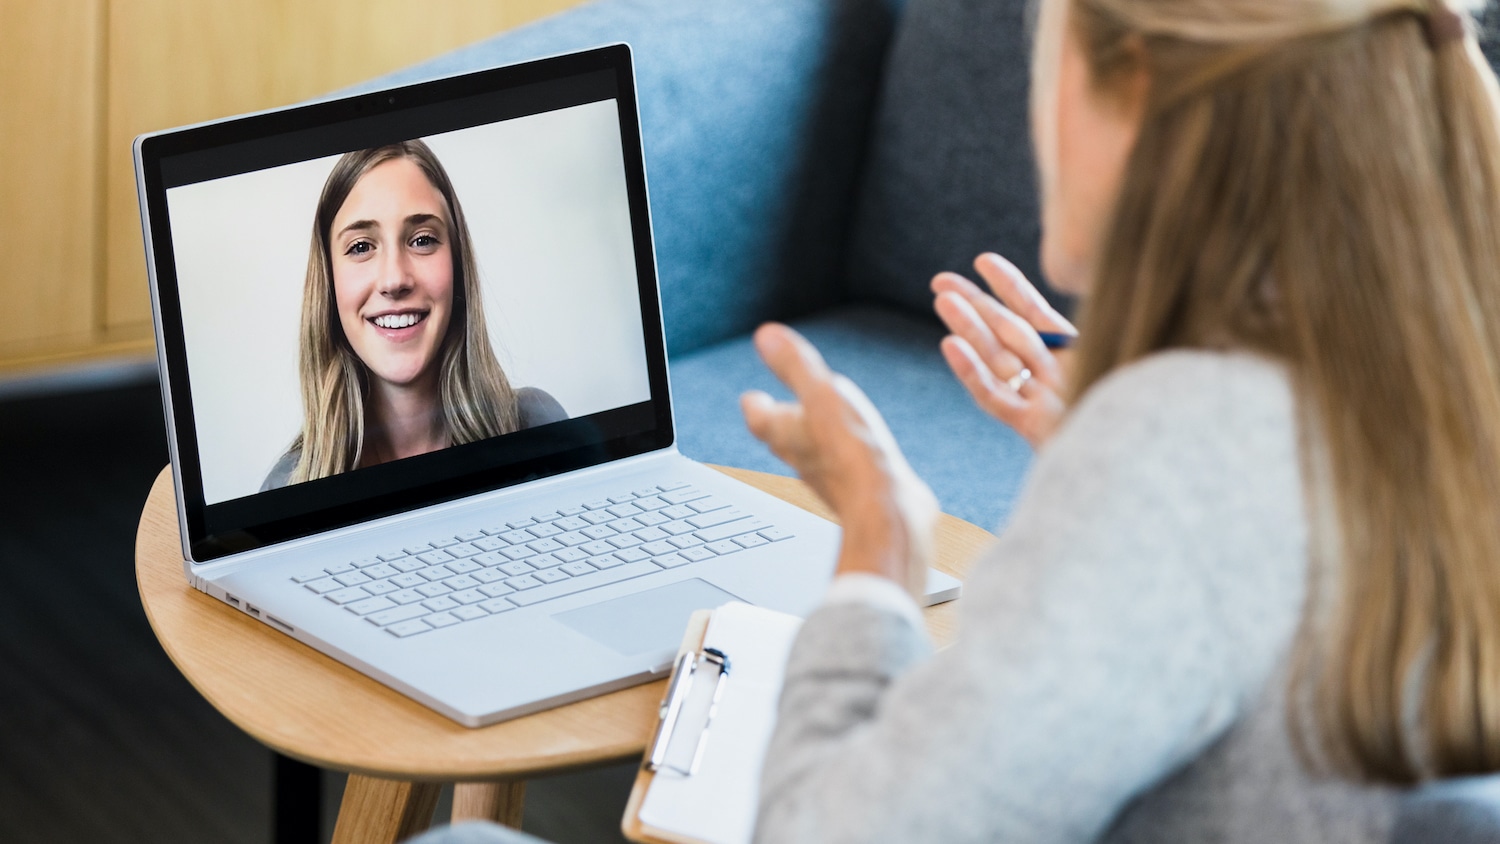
{"points": [[395, 357]]}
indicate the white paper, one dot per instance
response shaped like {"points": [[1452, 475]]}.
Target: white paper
{"points": [[717, 804]]}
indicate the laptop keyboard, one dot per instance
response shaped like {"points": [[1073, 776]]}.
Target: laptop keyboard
{"points": [[499, 567]]}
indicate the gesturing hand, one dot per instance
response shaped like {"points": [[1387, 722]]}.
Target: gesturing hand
{"points": [[836, 441], [995, 349]]}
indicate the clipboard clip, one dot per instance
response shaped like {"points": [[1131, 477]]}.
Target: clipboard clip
{"points": [[671, 709]]}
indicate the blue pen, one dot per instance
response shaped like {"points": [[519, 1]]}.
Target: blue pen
{"points": [[1056, 340]]}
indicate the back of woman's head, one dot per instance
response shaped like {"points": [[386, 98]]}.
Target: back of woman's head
{"points": [[477, 399], [1319, 180]]}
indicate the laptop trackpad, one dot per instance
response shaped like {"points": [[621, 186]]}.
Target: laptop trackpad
{"points": [[653, 620]]}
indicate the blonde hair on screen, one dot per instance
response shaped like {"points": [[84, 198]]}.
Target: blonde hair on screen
{"points": [[477, 399], [1319, 181]]}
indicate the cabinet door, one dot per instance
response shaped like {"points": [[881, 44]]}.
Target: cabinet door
{"points": [[50, 125], [173, 62]]}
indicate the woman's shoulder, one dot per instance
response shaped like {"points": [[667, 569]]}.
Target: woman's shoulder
{"points": [[281, 474], [537, 407]]}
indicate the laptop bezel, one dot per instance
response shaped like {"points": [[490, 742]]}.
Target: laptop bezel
{"points": [[214, 531]]}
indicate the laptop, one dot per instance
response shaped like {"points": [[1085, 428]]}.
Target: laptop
{"points": [[416, 390]]}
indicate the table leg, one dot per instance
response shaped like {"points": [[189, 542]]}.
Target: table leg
{"points": [[501, 802], [297, 800], [381, 811]]}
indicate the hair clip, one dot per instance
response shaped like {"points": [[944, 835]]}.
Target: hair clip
{"points": [[1444, 24]]}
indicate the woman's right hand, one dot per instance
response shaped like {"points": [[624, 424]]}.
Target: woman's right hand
{"points": [[996, 351]]}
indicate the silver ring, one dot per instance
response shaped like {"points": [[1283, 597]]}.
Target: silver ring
{"points": [[1019, 379]]}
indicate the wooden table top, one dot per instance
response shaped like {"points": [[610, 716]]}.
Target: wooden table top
{"points": [[310, 707]]}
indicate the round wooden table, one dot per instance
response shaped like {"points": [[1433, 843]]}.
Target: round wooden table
{"points": [[397, 752]]}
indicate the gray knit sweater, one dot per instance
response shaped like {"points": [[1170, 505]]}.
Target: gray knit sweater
{"points": [[1120, 669]]}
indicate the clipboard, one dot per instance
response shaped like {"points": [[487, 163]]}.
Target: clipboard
{"points": [[713, 722]]}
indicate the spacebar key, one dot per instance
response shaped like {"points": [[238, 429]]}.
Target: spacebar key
{"points": [[579, 584]]}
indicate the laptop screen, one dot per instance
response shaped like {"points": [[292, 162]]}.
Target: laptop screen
{"points": [[374, 304]]}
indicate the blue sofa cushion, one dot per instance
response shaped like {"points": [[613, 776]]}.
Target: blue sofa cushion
{"points": [[974, 464], [753, 118], [949, 171]]}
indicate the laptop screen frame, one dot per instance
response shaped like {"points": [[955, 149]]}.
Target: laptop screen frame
{"points": [[185, 156]]}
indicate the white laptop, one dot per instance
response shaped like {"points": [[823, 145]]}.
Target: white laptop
{"points": [[416, 391]]}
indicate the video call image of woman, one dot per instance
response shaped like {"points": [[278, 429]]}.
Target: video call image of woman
{"points": [[395, 358]]}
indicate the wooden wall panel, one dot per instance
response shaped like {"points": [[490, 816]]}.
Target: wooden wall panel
{"points": [[178, 61], [50, 113]]}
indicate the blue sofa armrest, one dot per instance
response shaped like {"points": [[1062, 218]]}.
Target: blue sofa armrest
{"points": [[753, 117]]}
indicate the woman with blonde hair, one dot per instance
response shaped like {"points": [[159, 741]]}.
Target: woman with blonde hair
{"points": [[395, 357], [1252, 589]]}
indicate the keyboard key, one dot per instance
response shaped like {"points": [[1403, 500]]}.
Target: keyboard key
{"points": [[367, 562], [683, 496], [369, 605], [569, 555], [341, 568], [408, 628], [597, 504], [408, 564], [670, 561], [460, 583], [517, 569], [632, 555], [440, 603], [390, 556], [580, 584], [379, 570], [722, 547], [655, 548], [776, 534], [651, 534], [408, 580], [681, 511], [593, 548], [546, 561], [579, 569], [543, 545], [571, 538], [468, 596], [518, 552], [517, 537], [708, 505], [622, 498], [463, 566], [392, 616], [550, 575], [353, 578], [678, 528], [380, 587], [488, 575], [324, 586], [432, 590], [570, 523], [669, 487], [650, 519], [490, 559], [623, 510], [344, 596], [650, 503], [436, 572], [697, 554], [313, 575], [406, 596], [598, 517], [441, 619], [470, 613], [546, 517], [463, 550], [623, 541], [542, 531], [608, 561], [525, 581], [751, 540], [495, 605], [688, 541], [490, 543], [571, 511], [433, 558], [729, 529], [717, 517], [626, 525], [520, 523], [444, 542], [495, 590], [471, 536], [417, 549], [644, 491]]}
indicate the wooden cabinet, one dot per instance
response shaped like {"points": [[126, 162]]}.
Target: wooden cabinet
{"points": [[79, 79]]}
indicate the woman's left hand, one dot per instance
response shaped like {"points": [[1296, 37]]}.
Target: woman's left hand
{"points": [[837, 442]]}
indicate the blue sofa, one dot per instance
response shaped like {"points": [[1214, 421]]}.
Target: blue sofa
{"points": [[794, 175]]}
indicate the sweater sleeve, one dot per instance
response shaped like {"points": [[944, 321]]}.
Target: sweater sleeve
{"points": [[1149, 581]]}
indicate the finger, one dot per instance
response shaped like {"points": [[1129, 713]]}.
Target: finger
{"points": [[1021, 339], [777, 424], [1011, 286], [794, 361], [993, 396], [965, 321]]}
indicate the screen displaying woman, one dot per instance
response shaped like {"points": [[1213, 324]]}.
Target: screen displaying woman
{"points": [[395, 358]]}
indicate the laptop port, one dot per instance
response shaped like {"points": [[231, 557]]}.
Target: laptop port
{"points": [[233, 601], [253, 610]]}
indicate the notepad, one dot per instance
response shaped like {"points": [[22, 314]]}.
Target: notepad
{"points": [[727, 738]]}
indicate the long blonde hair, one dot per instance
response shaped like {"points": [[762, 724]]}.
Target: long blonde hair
{"points": [[477, 398], [1319, 180]]}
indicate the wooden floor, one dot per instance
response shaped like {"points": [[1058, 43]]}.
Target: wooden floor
{"points": [[102, 740]]}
